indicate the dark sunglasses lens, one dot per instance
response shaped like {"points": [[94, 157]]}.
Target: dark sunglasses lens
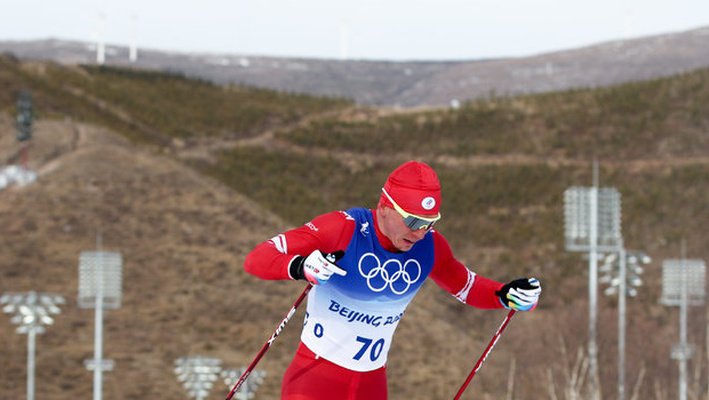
{"points": [[417, 223]]}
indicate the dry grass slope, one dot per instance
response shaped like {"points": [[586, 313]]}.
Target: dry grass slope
{"points": [[185, 222]]}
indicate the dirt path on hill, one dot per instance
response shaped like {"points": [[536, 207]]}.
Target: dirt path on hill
{"points": [[206, 149]]}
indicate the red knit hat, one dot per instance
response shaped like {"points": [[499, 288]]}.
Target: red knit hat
{"points": [[414, 186]]}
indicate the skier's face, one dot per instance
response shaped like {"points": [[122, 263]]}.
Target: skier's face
{"points": [[393, 227]]}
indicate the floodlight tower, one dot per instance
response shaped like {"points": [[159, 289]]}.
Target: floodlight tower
{"points": [[248, 388], [683, 285], [100, 40], [622, 272], [197, 374], [133, 48], [592, 224], [100, 281], [25, 118], [32, 312]]}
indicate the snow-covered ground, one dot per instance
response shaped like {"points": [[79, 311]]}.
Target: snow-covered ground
{"points": [[15, 174]]}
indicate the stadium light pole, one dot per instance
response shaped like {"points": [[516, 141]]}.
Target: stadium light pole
{"points": [[33, 312], [248, 388], [197, 374], [592, 224], [24, 121], [100, 282], [100, 40], [133, 48], [683, 285], [21, 174], [622, 270]]}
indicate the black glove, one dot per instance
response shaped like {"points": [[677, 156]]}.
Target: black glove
{"points": [[520, 294]]}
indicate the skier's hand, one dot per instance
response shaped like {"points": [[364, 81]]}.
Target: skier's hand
{"points": [[520, 294], [317, 268]]}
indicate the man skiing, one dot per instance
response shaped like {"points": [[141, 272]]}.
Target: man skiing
{"points": [[366, 265]]}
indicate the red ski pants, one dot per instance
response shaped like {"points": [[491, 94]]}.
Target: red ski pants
{"points": [[312, 378]]}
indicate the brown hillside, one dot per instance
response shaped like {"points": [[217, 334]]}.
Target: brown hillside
{"points": [[271, 160], [183, 239]]}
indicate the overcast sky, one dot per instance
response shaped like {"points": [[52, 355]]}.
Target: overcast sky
{"points": [[362, 29]]}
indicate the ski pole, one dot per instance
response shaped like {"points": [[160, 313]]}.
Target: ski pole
{"points": [[487, 351], [268, 343]]}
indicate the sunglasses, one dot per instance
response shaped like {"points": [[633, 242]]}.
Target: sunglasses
{"points": [[413, 222]]}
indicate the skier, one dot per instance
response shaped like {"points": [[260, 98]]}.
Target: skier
{"points": [[366, 265]]}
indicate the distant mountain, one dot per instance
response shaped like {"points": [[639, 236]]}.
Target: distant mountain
{"points": [[414, 83]]}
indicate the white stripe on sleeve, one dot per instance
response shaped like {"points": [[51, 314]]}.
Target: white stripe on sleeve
{"points": [[462, 296], [280, 243]]}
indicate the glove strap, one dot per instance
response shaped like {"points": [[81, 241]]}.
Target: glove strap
{"points": [[295, 269]]}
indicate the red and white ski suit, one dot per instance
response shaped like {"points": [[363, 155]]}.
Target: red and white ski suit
{"points": [[350, 320]]}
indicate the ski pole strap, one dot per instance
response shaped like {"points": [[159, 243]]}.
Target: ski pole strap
{"points": [[487, 351]]}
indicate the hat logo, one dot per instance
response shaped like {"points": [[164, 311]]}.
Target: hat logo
{"points": [[428, 203]]}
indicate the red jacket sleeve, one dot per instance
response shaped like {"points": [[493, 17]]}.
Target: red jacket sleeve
{"points": [[327, 233], [455, 278]]}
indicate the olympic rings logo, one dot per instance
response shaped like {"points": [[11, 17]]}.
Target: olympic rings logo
{"points": [[392, 274]]}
